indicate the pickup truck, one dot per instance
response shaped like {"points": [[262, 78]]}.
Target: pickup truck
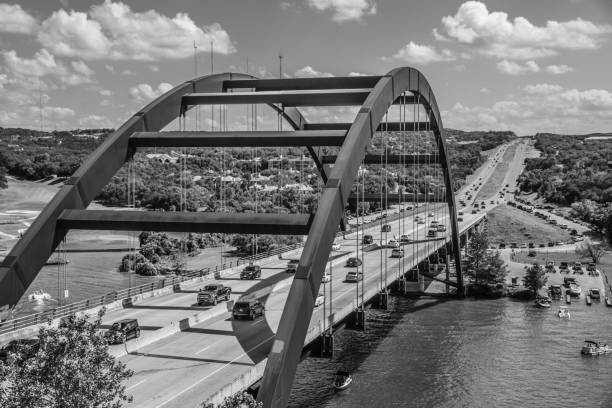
{"points": [[213, 293]]}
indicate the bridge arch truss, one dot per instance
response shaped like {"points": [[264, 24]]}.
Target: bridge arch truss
{"points": [[374, 95]]}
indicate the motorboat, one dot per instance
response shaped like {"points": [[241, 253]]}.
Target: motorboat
{"points": [[342, 380], [542, 303], [563, 312], [594, 348], [38, 295], [57, 261], [608, 301]]}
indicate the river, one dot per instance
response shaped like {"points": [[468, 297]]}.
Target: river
{"points": [[465, 353]]}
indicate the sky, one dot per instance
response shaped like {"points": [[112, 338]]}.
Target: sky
{"points": [[522, 65]]}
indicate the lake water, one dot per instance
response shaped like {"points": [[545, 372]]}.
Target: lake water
{"points": [[465, 353]]}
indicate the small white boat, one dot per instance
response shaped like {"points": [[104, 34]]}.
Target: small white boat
{"points": [[593, 348], [563, 312], [542, 303], [574, 290], [38, 295], [342, 380]]}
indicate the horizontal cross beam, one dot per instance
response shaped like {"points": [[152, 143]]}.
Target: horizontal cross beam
{"points": [[239, 139], [384, 126], [231, 223], [352, 97], [402, 159], [397, 198], [302, 84]]}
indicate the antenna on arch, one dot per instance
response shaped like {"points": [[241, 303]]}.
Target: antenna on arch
{"points": [[280, 64], [195, 59]]}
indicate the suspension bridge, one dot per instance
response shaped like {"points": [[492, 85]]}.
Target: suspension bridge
{"points": [[396, 126]]}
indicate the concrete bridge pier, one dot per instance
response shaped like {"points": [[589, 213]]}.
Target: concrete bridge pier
{"points": [[323, 346], [357, 320]]}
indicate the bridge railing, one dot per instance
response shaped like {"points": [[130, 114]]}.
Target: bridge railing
{"points": [[48, 316]]}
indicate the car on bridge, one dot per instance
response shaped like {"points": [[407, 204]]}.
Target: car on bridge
{"points": [[405, 239], [397, 253], [326, 277], [251, 272], [392, 243], [441, 228], [122, 331], [367, 239], [336, 246], [353, 262], [213, 294], [353, 276], [432, 233], [385, 228], [249, 309], [319, 300], [292, 265], [459, 219]]}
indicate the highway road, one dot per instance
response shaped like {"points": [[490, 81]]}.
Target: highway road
{"points": [[184, 369]]}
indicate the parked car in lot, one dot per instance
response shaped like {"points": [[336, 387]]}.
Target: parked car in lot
{"points": [[397, 253], [122, 331], [367, 239], [594, 292], [353, 262], [292, 265], [502, 246], [251, 272], [249, 309], [513, 245], [353, 276], [213, 294]]}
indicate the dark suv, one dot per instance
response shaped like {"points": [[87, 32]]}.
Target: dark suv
{"points": [[248, 309], [251, 272], [367, 239], [213, 293], [385, 228], [353, 262], [122, 331]]}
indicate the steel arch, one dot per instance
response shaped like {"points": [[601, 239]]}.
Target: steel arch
{"points": [[289, 341]]}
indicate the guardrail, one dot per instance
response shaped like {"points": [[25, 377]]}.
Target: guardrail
{"points": [[48, 316]]}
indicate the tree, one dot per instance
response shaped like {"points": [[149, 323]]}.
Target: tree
{"points": [[494, 270], [589, 250], [238, 400], [477, 252], [3, 182], [535, 278], [70, 366], [608, 228]]}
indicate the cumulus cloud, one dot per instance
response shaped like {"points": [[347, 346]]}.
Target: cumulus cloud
{"points": [[145, 93], [413, 53], [345, 10], [113, 31], [515, 68], [310, 72], [105, 92], [43, 64], [559, 69], [541, 108], [14, 19], [494, 34], [542, 89]]}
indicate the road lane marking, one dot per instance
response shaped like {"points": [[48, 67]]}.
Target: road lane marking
{"points": [[204, 349], [213, 373], [136, 385]]}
